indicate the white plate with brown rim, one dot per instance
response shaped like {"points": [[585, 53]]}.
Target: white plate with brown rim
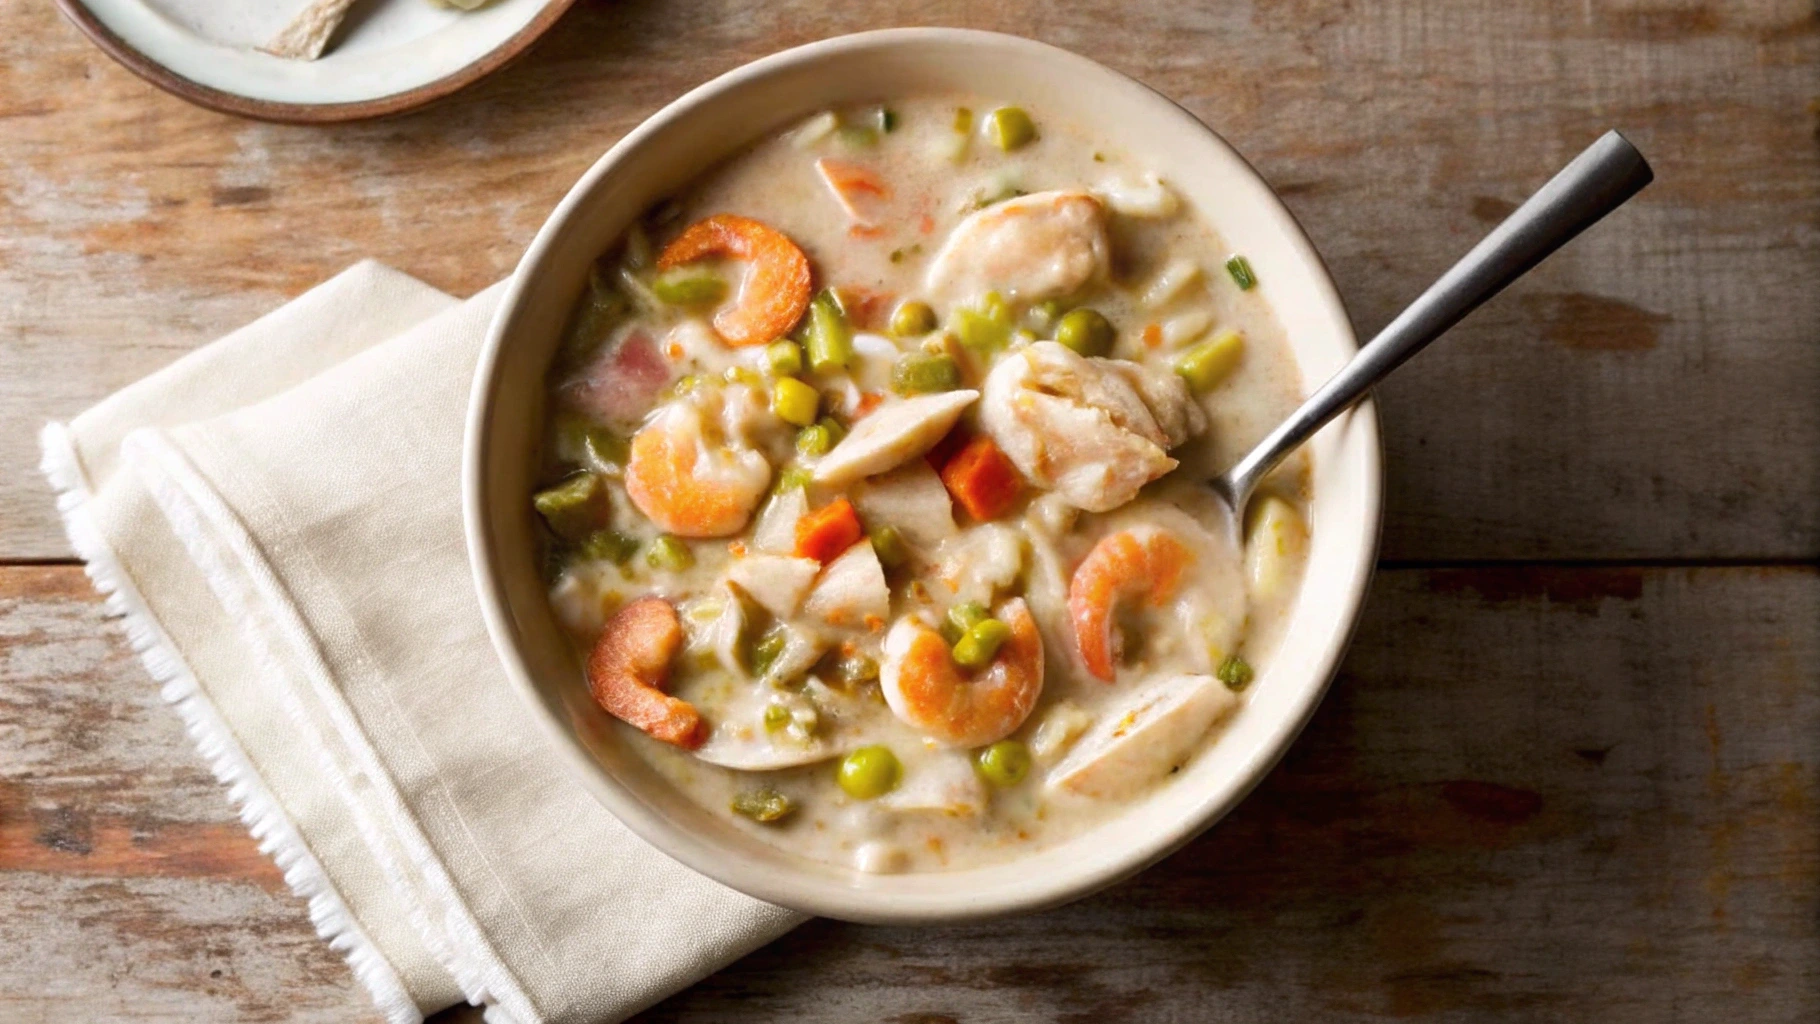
{"points": [[388, 56]]}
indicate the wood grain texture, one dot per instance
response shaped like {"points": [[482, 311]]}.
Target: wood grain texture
{"points": [[1649, 393], [1535, 794]]}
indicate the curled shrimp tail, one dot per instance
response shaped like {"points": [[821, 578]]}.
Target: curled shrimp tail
{"points": [[1122, 565], [928, 691], [629, 665]]}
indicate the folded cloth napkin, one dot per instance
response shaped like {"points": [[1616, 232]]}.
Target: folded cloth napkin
{"points": [[276, 517]]}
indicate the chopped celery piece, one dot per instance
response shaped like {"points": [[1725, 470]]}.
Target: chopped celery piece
{"points": [[889, 545], [785, 358], [980, 332], [1240, 269], [762, 805], [573, 507], [1236, 673], [689, 286], [609, 546], [669, 554]]}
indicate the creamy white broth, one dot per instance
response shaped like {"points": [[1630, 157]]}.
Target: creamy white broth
{"points": [[1231, 601]]}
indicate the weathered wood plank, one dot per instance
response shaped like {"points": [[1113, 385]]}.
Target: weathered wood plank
{"points": [[1649, 393], [1534, 794]]}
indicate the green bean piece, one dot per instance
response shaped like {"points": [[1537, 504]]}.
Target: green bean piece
{"points": [[1004, 764], [572, 508], [609, 546], [766, 805], [869, 772], [1010, 128], [968, 614], [669, 554], [889, 545], [689, 287], [776, 717], [785, 358], [1240, 269], [830, 340], [1205, 365], [913, 320], [1235, 672], [765, 652], [794, 402], [979, 332], [921, 373], [981, 643], [1086, 331]]}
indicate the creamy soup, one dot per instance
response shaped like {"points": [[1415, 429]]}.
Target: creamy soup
{"points": [[873, 484]]}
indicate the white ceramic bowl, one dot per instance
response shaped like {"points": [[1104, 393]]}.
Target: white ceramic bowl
{"points": [[713, 122]]}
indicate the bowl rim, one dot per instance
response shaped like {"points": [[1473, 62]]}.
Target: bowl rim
{"points": [[858, 904]]}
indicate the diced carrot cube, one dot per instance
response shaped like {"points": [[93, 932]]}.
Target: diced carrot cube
{"points": [[982, 479], [826, 532]]}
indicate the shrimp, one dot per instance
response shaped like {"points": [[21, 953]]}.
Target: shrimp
{"points": [[1144, 562], [928, 691], [688, 485], [629, 665], [1031, 248], [775, 293]]}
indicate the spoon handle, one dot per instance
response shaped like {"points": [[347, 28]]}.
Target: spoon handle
{"points": [[1597, 182]]}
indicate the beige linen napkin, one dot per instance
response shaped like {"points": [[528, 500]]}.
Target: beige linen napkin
{"points": [[276, 517]]}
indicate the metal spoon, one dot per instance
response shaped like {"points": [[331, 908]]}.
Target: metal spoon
{"points": [[1597, 182]]}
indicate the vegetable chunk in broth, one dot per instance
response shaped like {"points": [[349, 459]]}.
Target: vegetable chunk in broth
{"points": [[872, 485]]}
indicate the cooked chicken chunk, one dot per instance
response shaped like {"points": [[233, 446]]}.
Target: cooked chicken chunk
{"points": [[1092, 430], [1029, 249]]}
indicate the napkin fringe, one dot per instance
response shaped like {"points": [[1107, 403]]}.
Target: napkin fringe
{"points": [[237, 572], [255, 805]]}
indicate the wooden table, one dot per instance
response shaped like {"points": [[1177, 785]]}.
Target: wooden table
{"points": [[1570, 771]]}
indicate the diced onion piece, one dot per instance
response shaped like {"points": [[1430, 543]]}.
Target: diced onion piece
{"points": [[777, 583], [1274, 547], [814, 129], [776, 529], [852, 592], [1183, 328], [1169, 283], [1149, 198]]}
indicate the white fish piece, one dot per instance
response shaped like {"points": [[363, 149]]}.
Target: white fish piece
{"points": [[852, 592], [814, 129], [911, 498], [776, 529], [943, 784], [1082, 427], [893, 434], [802, 649], [1148, 197], [777, 582], [1060, 727], [1030, 248], [740, 740], [1274, 547], [1183, 328], [1139, 742], [983, 560]]}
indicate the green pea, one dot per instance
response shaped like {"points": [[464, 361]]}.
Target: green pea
{"points": [[689, 287], [967, 615], [794, 402], [830, 336], [766, 805], [776, 717], [889, 545], [921, 373], [1235, 672], [792, 477], [1205, 365], [981, 643], [785, 358], [1004, 763], [814, 440], [669, 554], [573, 507], [869, 772], [854, 669], [1010, 128], [913, 320], [609, 546], [1085, 331]]}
